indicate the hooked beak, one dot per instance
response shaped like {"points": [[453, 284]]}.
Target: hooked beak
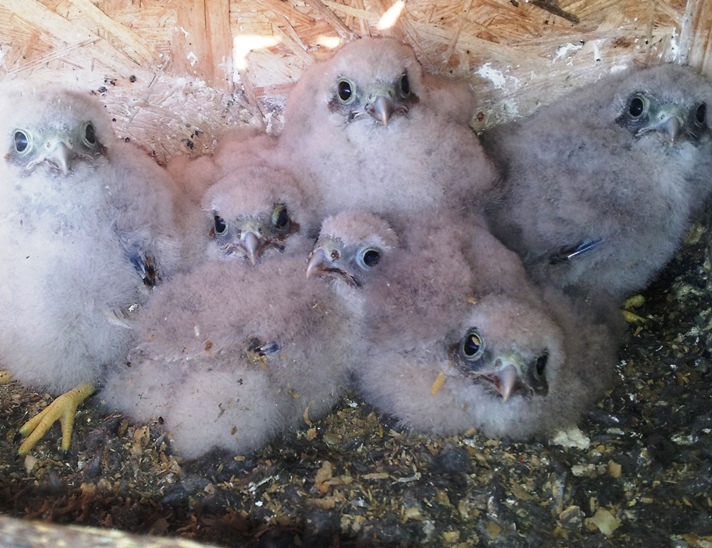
{"points": [[505, 380], [60, 157], [252, 246], [322, 264], [317, 263], [670, 124], [381, 109], [672, 127], [510, 379], [507, 376]]}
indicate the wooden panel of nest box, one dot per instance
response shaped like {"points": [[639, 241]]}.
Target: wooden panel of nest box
{"points": [[169, 75]]}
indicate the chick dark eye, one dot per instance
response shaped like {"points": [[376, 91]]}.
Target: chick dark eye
{"points": [[220, 225], [90, 133], [541, 364], [21, 141], [371, 257], [345, 91], [636, 107], [701, 114], [472, 345], [405, 85], [280, 217]]}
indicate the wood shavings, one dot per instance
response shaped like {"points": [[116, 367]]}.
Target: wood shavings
{"points": [[163, 71], [572, 437], [306, 414], [551, 7], [376, 476], [604, 521], [438, 383], [324, 474], [170, 67]]}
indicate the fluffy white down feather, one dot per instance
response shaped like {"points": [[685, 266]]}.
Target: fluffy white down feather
{"points": [[591, 169], [424, 158], [65, 239]]}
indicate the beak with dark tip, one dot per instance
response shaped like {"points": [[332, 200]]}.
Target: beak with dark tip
{"points": [[509, 381], [507, 377], [252, 245], [317, 263], [382, 102], [59, 155], [670, 124], [672, 127], [381, 109], [322, 263]]}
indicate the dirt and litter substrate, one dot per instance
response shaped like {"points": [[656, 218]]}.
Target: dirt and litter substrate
{"points": [[355, 479]]}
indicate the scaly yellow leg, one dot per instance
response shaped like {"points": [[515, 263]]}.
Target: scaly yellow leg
{"points": [[62, 409]]}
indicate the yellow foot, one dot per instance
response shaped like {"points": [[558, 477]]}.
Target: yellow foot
{"points": [[5, 377], [636, 301], [62, 409]]}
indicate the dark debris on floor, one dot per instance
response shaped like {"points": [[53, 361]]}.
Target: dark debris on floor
{"points": [[638, 472]]}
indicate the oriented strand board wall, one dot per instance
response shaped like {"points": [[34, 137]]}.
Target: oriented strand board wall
{"points": [[165, 68]]}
